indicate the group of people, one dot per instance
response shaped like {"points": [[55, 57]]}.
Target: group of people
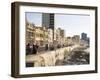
{"points": [[31, 49], [34, 48]]}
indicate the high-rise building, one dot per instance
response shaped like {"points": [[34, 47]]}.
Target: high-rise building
{"points": [[88, 40], [84, 36], [48, 20]]}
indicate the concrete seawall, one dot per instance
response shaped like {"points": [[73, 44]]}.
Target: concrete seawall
{"points": [[49, 58]]}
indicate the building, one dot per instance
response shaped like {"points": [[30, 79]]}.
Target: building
{"points": [[35, 34], [39, 36], [48, 20], [84, 36], [56, 36], [88, 40], [59, 36], [45, 35], [76, 39], [50, 36], [62, 34], [85, 39], [30, 33], [68, 41]]}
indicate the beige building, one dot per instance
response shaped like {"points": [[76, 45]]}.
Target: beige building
{"points": [[68, 41], [62, 36], [59, 36], [50, 36], [76, 39], [30, 33], [45, 33], [39, 34]]}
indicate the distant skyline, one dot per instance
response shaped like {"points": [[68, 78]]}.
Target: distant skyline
{"points": [[72, 24]]}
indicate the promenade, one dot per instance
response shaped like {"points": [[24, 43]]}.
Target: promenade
{"points": [[49, 58]]}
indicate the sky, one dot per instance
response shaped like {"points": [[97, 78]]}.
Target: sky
{"points": [[72, 24], [35, 18]]}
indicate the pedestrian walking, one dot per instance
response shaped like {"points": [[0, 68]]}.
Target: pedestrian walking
{"points": [[28, 50], [46, 47], [34, 49]]}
